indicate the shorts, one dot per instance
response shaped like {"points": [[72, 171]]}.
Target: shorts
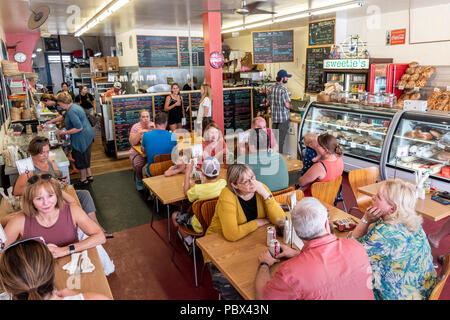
{"points": [[86, 201], [82, 159], [184, 219]]}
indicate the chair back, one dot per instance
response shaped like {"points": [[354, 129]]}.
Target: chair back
{"points": [[162, 157], [289, 189], [360, 178], [326, 191], [157, 169], [285, 198], [208, 209], [442, 279]]}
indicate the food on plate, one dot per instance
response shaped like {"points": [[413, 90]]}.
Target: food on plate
{"points": [[411, 134], [426, 151], [344, 224], [424, 135], [413, 64], [444, 156], [414, 96], [364, 125], [409, 159]]}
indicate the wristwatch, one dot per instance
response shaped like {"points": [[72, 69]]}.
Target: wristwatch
{"points": [[263, 263], [71, 248], [363, 220], [269, 197]]}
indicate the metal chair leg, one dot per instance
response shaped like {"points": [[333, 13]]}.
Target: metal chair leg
{"points": [[195, 262], [168, 221], [345, 208]]}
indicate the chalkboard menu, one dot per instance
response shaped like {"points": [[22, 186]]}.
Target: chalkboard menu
{"points": [[157, 51], [237, 109], [321, 32], [159, 103], [126, 114], [314, 68], [198, 51], [273, 46]]}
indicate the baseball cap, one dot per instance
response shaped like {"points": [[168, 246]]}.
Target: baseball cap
{"points": [[283, 73], [211, 167], [117, 85]]}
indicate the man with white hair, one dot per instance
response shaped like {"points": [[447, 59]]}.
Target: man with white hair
{"points": [[327, 268]]}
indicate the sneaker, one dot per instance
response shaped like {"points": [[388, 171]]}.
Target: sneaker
{"points": [[188, 247], [139, 185], [188, 240]]}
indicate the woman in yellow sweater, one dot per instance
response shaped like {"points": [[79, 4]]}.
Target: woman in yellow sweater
{"points": [[243, 206]]}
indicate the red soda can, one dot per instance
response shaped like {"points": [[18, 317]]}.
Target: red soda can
{"points": [[271, 235], [274, 248]]}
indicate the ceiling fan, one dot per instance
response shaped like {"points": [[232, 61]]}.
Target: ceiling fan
{"points": [[38, 17], [246, 9]]}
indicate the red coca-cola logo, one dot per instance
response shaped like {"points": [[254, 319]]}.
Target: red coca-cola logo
{"points": [[216, 60]]}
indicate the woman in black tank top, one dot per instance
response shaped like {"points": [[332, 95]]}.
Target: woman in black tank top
{"points": [[174, 107]]}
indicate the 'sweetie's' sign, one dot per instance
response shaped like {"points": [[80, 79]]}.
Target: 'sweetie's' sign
{"points": [[346, 64]]}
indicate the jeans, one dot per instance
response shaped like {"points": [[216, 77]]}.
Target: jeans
{"points": [[283, 128]]}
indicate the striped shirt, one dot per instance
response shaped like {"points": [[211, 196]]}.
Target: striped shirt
{"points": [[278, 96]]}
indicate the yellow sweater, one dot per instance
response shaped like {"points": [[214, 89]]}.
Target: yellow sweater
{"points": [[230, 220]]}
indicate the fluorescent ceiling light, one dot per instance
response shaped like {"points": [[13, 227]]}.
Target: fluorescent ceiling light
{"points": [[101, 15], [296, 15]]}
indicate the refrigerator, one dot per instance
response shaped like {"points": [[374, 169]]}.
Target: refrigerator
{"points": [[384, 76], [351, 81]]}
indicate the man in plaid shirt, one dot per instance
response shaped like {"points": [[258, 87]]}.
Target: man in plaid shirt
{"points": [[278, 99]]}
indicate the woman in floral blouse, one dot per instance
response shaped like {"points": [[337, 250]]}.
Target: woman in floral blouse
{"points": [[400, 255]]}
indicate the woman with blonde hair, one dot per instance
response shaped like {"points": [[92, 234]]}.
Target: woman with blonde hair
{"points": [[205, 107], [27, 272], [399, 252], [45, 214], [243, 206]]}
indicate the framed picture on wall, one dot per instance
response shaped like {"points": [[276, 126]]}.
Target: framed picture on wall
{"points": [[51, 44]]}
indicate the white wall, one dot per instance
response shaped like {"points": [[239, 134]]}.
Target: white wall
{"points": [[437, 53], [296, 84]]}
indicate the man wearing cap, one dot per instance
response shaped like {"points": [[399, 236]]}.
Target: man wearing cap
{"points": [[280, 103], [210, 188], [115, 91]]}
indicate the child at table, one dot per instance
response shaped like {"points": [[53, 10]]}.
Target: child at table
{"points": [[310, 154], [184, 157], [210, 188]]}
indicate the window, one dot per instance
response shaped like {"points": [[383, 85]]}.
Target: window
{"points": [[56, 58]]}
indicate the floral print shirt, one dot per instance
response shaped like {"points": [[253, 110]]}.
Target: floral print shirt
{"points": [[401, 262]]}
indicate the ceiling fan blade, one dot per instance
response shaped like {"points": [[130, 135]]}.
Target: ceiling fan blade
{"points": [[259, 11], [224, 11], [254, 5]]}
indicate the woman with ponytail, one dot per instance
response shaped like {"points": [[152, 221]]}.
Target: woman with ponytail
{"points": [[27, 272], [326, 170]]}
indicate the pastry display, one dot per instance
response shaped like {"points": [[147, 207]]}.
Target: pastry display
{"points": [[405, 77], [410, 70], [439, 101], [444, 156], [413, 64], [414, 77]]}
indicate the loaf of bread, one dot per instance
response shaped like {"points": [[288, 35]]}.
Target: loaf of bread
{"points": [[413, 64], [444, 156]]}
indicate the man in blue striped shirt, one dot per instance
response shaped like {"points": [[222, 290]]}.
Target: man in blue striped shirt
{"points": [[280, 103]]}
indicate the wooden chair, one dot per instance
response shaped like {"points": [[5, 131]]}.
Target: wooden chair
{"points": [[204, 211], [157, 169], [162, 157], [326, 191], [285, 198], [442, 279], [289, 189], [360, 178]]}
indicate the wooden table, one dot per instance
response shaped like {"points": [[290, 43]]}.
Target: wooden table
{"points": [[94, 281], [170, 189], [238, 261], [428, 208]]}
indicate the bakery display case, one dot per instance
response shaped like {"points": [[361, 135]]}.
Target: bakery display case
{"points": [[360, 130], [420, 140]]}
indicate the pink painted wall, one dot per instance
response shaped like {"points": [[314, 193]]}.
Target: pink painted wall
{"points": [[26, 46]]}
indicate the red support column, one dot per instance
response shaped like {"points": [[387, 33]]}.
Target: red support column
{"points": [[27, 46], [213, 42]]}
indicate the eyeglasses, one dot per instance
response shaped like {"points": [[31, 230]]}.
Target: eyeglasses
{"points": [[247, 182], [24, 240], [35, 178], [41, 139]]}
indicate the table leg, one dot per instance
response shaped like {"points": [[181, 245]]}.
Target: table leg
{"points": [[168, 221]]}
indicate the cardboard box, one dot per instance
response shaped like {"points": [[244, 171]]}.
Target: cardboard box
{"points": [[98, 64], [112, 64]]}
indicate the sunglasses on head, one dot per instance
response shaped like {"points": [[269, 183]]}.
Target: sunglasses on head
{"points": [[41, 139], [35, 178], [25, 240]]}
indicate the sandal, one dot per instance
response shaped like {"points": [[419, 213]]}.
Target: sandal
{"points": [[81, 183], [90, 178], [108, 235]]}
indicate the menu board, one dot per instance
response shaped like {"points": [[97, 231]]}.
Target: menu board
{"points": [[126, 114], [321, 32], [185, 97], [157, 51], [195, 103], [314, 68], [198, 51], [273, 46], [237, 109], [159, 103]]}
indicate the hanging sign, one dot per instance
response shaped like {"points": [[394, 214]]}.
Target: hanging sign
{"points": [[398, 36], [346, 64], [216, 60]]}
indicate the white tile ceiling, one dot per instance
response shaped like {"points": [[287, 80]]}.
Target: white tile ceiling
{"points": [[144, 14]]}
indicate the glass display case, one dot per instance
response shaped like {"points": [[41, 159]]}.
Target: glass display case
{"points": [[360, 130], [420, 140]]}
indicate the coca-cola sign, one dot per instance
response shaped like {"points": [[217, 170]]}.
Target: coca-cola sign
{"points": [[398, 36], [216, 60]]}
